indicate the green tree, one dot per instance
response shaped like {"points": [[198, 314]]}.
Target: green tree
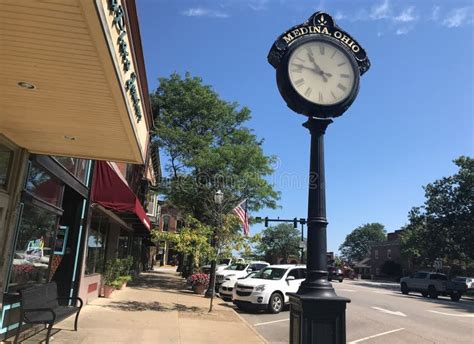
{"points": [[357, 244], [444, 226], [280, 241], [208, 148]]}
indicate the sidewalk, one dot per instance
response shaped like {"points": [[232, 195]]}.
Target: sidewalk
{"points": [[157, 308]]}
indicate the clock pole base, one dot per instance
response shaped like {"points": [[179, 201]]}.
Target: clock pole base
{"points": [[317, 319]]}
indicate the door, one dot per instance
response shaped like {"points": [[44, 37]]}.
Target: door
{"points": [[293, 285]]}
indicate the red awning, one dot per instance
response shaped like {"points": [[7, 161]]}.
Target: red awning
{"points": [[111, 191]]}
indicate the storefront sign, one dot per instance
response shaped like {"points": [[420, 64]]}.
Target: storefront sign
{"points": [[34, 250], [124, 51]]}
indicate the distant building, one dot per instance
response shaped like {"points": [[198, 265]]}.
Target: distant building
{"points": [[387, 251], [170, 220]]}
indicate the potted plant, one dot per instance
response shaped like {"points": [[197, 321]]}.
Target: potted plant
{"points": [[111, 275], [199, 282]]}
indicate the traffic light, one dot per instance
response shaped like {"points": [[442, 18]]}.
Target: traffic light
{"points": [[295, 222], [266, 221]]}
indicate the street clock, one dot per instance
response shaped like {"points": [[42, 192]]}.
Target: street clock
{"points": [[318, 67]]}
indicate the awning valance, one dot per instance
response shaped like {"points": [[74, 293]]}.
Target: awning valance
{"points": [[110, 190]]}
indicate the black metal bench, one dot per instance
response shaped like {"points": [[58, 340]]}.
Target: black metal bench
{"points": [[40, 305]]}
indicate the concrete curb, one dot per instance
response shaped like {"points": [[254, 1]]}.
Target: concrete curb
{"points": [[251, 328]]}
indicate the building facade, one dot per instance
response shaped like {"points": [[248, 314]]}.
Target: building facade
{"points": [[388, 251], [74, 98], [170, 220]]}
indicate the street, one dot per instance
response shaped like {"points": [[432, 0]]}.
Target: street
{"points": [[380, 315]]}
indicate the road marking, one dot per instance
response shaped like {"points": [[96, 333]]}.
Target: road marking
{"points": [[350, 290], [382, 292], [271, 322], [453, 315], [375, 335], [389, 312]]}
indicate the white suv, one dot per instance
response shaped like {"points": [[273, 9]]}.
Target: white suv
{"points": [[238, 270], [225, 289], [267, 289]]}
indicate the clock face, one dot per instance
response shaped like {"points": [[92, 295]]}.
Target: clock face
{"points": [[321, 72]]}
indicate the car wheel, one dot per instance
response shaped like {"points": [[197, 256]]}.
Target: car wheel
{"points": [[432, 292], [404, 288], [276, 303], [455, 297], [424, 293], [341, 279]]}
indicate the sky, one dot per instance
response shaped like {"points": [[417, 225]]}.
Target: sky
{"points": [[413, 114]]}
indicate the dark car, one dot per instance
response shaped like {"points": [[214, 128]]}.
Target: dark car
{"points": [[335, 273]]}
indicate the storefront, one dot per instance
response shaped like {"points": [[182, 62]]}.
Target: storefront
{"points": [[74, 91], [46, 245]]}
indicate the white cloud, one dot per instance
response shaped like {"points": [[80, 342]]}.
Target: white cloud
{"points": [[258, 5], [459, 17], [380, 11], [204, 12], [406, 16], [435, 13], [339, 15], [402, 31]]}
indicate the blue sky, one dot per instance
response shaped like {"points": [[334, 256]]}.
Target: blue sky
{"points": [[413, 115]]}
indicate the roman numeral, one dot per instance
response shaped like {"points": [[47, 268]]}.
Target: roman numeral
{"points": [[299, 59], [320, 98], [296, 68], [342, 87], [299, 82], [347, 76], [333, 95], [341, 64], [334, 53], [321, 49], [308, 92], [308, 49]]}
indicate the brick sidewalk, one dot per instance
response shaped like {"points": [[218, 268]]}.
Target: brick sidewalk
{"points": [[157, 308]]}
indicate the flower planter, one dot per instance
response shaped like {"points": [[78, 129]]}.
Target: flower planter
{"points": [[108, 290], [200, 288]]}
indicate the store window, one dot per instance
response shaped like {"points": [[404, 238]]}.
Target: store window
{"points": [[123, 245], [33, 248], [44, 186], [6, 157], [96, 240], [166, 223], [78, 167]]}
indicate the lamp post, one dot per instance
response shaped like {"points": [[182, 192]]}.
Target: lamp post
{"points": [[218, 199]]}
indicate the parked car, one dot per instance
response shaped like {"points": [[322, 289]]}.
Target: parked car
{"points": [[432, 284], [238, 270], [226, 288], [468, 281], [221, 265], [335, 273], [268, 288]]}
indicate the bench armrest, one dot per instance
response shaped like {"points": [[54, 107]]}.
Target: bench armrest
{"points": [[73, 298]]}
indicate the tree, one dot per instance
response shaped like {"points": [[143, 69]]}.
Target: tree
{"points": [[281, 241], [443, 226], [357, 244], [208, 148]]}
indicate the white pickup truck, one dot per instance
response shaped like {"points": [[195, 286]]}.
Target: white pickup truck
{"points": [[432, 284]]}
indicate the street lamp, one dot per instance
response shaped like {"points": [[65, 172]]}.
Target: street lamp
{"points": [[218, 199]]}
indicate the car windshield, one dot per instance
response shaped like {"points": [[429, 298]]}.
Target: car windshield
{"points": [[224, 261], [236, 267], [270, 273]]}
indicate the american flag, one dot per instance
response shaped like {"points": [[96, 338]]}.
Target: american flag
{"points": [[241, 211]]}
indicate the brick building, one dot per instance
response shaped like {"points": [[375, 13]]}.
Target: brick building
{"points": [[387, 251]]}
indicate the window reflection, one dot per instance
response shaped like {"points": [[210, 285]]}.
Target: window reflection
{"points": [[96, 245], [78, 167], [44, 186], [33, 246]]}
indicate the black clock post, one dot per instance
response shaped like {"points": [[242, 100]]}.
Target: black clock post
{"points": [[317, 314]]}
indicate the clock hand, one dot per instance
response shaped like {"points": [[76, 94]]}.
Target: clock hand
{"points": [[318, 69]]}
